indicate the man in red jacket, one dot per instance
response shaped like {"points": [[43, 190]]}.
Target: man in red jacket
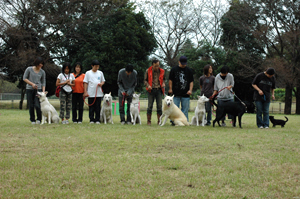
{"points": [[154, 81]]}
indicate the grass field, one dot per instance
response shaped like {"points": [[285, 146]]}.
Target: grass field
{"points": [[116, 161]]}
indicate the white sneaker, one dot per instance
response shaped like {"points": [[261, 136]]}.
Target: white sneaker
{"points": [[122, 123], [79, 122], [32, 122], [261, 127], [67, 121], [266, 127], [38, 122], [129, 123], [97, 122], [63, 122], [92, 122], [75, 122]]}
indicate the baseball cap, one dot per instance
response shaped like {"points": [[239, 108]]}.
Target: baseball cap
{"points": [[183, 60], [270, 71]]}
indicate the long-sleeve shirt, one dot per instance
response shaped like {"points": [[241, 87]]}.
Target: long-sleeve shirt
{"points": [[38, 79], [126, 83]]}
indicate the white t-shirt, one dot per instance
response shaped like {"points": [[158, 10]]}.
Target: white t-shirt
{"points": [[93, 79], [63, 78]]}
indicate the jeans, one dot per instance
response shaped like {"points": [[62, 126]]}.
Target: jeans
{"points": [[94, 110], [121, 108], [156, 94], [262, 113], [223, 103], [185, 105], [77, 104], [33, 103], [208, 111]]}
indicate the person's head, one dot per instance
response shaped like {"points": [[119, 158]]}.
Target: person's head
{"points": [[270, 72], [77, 68], [207, 70], [155, 65], [129, 69], [95, 65], [38, 62], [182, 61], [224, 71], [66, 68]]}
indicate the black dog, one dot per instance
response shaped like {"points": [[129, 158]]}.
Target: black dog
{"points": [[234, 109], [278, 122]]}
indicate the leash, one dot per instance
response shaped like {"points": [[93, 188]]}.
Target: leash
{"points": [[123, 99], [94, 98], [213, 96], [238, 98]]}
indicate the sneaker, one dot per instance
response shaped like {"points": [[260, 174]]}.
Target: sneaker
{"points": [[223, 124], [122, 123], [91, 122], [38, 122], [80, 122], [67, 122], [32, 122], [266, 127], [129, 123], [97, 122], [75, 122], [63, 122], [261, 127]]}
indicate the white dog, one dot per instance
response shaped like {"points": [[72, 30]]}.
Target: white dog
{"points": [[134, 109], [106, 110], [171, 111], [48, 111], [200, 111]]}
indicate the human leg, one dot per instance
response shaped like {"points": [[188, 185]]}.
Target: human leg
{"points": [[185, 106], [74, 107], [259, 110], [62, 99], [159, 104], [121, 109], [98, 108], [208, 111], [129, 100], [68, 105], [30, 103], [80, 106], [265, 113], [150, 106], [91, 109]]}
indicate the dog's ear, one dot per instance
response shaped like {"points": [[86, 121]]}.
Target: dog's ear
{"points": [[109, 93], [198, 96], [139, 95], [46, 92], [172, 96]]}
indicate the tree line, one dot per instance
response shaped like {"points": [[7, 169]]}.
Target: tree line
{"points": [[246, 35]]}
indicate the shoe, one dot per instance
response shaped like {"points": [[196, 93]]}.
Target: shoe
{"points": [[91, 122], [67, 121], [75, 122], [172, 123], [79, 122], [38, 122], [97, 122], [266, 127], [223, 124], [261, 127], [129, 123], [32, 122], [122, 123], [63, 122], [208, 124]]}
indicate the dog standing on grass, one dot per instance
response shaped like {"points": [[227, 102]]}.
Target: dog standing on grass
{"points": [[134, 109], [172, 112], [200, 111], [278, 122], [106, 110], [48, 111]]}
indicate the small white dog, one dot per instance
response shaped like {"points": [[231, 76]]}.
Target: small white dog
{"points": [[171, 111], [48, 111], [200, 111], [106, 110], [134, 109]]}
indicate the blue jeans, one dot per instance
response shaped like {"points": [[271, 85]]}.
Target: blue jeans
{"points": [[185, 105], [208, 111], [262, 113]]}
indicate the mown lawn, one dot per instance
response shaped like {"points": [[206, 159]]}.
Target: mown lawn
{"points": [[115, 161]]}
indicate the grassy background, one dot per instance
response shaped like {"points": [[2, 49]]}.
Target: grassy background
{"points": [[115, 161]]}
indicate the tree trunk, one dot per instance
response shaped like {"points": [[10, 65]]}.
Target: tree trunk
{"points": [[23, 90], [288, 99], [297, 93]]}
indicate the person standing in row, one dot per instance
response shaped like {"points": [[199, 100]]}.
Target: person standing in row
{"points": [[207, 82], [35, 79], [154, 81], [92, 83], [127, 81], [181, 82], [77, 96], [264, 85], [222, 80], [66, 80]]}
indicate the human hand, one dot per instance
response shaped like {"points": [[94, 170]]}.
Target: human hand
{"points": [[273, 97], [34, 86], [260, 92], [149, 87], [189, 92], [170, 91]]}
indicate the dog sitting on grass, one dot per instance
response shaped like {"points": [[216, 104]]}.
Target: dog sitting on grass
{"points": [[48, 111], [134, 109], [106, 110], [278, 122], [199, 117]]}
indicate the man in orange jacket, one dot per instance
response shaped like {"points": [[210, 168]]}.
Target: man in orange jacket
{"points": [[154, 81]]}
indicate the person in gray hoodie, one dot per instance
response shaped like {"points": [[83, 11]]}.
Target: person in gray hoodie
{"points": [[127, 81], [222, 80]]}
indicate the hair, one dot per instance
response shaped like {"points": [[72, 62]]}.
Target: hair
{"points": [[78, 64], [65, 65], [129, 68], [206, 69], [38, 61], [224, 69], [95, 62], [154, 61], [270, 71]]}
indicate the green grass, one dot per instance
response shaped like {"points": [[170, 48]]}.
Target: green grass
{"points": [[115, 161]]}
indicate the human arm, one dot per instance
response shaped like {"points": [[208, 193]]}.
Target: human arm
{"points": [[191, 88], [260, 92], [146, 81], [85, 85], [170, 86]]}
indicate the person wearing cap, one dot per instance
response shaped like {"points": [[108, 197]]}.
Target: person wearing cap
{"points": [[92, 84], [154, 80], [224, 82], [181, 82], [127, 81], [264, 85]]}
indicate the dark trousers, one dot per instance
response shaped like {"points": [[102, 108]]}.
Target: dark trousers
{"points": [[121, 108], [33, 103], [156, 94], [94, 110], [77, 105]]}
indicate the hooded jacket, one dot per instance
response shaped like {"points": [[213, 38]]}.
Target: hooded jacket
{"points": [[220, 84]]}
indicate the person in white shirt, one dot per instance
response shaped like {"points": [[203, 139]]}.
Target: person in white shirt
{"points": [[92, 83], [65, 80]]}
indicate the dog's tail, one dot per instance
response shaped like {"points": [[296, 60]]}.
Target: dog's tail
{"points": [[286, 119]]}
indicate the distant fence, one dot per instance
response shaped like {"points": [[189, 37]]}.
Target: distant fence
{"points": [[12, 100]]}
